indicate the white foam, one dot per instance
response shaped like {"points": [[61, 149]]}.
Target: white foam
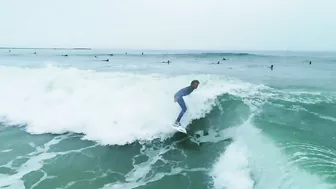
{"points": [[147, 172], [232, 170], [254, 161], [36, 160], [307, 97], [8, 150], [111, 108], [34, 163]]}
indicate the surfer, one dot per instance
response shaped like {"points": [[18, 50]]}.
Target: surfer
{"points": [[166, 62], [178, 97]]}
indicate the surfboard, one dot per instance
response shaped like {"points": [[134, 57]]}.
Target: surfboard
{"points": [[179, 128]]}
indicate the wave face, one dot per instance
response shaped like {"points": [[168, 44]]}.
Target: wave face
{"points": [[254, 160]]}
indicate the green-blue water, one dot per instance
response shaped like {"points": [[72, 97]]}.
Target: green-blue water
{"points": [[77, 121]]}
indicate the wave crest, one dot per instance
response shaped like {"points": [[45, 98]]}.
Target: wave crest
{"points": [[110, 108]]}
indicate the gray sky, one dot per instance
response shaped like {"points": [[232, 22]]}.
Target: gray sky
{"points": [[170, 24]]}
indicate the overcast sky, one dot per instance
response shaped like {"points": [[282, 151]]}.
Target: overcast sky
{"points": [[170, 24]]}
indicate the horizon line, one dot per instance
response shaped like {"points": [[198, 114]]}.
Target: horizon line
{"points": [[138, 49]]}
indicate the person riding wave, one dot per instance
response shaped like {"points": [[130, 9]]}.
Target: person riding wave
{"points": [[178, 97]]}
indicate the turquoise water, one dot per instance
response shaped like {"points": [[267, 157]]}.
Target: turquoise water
{"points": [[77, 121]]}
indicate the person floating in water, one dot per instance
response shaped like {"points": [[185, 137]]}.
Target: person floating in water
{"points": [[166, 62], [271, 67], [178, 97], [309, 62]]}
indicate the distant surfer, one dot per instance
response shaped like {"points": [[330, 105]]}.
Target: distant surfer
{"points": [[178, 97], [309, 62], [271, 67], [166, 62]]}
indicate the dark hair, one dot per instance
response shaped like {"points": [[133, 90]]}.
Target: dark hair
{"points": [[194, 81]]}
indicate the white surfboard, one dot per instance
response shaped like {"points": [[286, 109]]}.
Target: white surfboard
{"points": [[179, 128]]}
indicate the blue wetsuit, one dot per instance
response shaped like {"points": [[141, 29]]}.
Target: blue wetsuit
{"points": [[183, 92]]}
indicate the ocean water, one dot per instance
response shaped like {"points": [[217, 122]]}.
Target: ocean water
{"points": [[77, 121]]}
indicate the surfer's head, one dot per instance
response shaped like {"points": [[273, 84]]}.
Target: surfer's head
{"points": [[194, 84]]}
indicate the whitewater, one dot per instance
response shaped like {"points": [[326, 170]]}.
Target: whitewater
{"points": [[116, 108]]}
